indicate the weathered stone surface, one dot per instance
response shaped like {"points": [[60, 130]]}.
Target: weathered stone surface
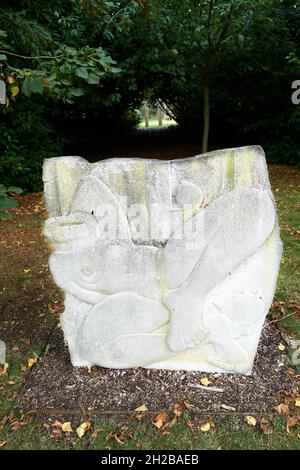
{"points": [[165, 264]]}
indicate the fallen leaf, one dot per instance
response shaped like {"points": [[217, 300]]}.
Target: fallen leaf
{"points": [[205, 381], [141, 408], [205, 427], [264, 427], [11, 382], [177, 410], [139, 417], [57, 424], [3, 370], [282, 408], [15, 425], [281, 347], [26, 271], [32, 361], [292, 421], [96, 432], [67, 427], [170, 423], [188, 405], [297, 402], [23, 368], [159, 420], [250, 420], [83, 428], [2, 443], [113, 435]]}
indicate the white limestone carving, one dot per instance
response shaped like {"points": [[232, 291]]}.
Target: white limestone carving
{"points": [[165, 264]]}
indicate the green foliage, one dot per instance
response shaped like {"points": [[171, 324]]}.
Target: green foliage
{"points": [[6, 202], [90, 64], [27, 136], [249, 71]]}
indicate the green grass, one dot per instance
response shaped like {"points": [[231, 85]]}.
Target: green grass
{"points": [[153, 123], [36, 432]]}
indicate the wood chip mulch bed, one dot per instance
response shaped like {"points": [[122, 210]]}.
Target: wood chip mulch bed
{"points": [[54, 385]]}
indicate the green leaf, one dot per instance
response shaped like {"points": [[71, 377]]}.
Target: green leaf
{"points": [[76, 92], [14, 190], [3, 57], [5, 216], [36, 85], [26, 87], [93, 79], [81, 72], [7, 203]]}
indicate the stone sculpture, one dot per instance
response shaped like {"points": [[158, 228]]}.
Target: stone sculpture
{"points": [[164, 264]]}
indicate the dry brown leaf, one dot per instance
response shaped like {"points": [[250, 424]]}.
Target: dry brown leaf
{"points": [[159, 419], [57, 424], [250, 420], [264, 427], [32, 361], [177, 410], [67, 427], [96, 432], [205, 427], [113, 435], [292, 421], [23, 368], [4, 369], [205, 381], [139, 417], [141, 408], [15, 425], [83, 428], [2, 443], [170, 423], [188, 405], [282, 408]]}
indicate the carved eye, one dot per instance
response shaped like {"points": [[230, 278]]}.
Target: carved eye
{"points": [[87, 270]]}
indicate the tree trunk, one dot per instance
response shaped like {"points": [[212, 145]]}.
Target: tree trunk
{"points": [[206, 117], [146, 114], [159, 115]]}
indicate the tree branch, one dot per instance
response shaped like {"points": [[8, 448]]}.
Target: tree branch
{"points": [[32, 57]]}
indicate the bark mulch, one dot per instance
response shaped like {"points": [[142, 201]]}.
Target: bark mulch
{"points": [[55, 386]]}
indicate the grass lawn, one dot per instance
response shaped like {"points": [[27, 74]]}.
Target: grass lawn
{"points": [[30, 305], [153, 123]]}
